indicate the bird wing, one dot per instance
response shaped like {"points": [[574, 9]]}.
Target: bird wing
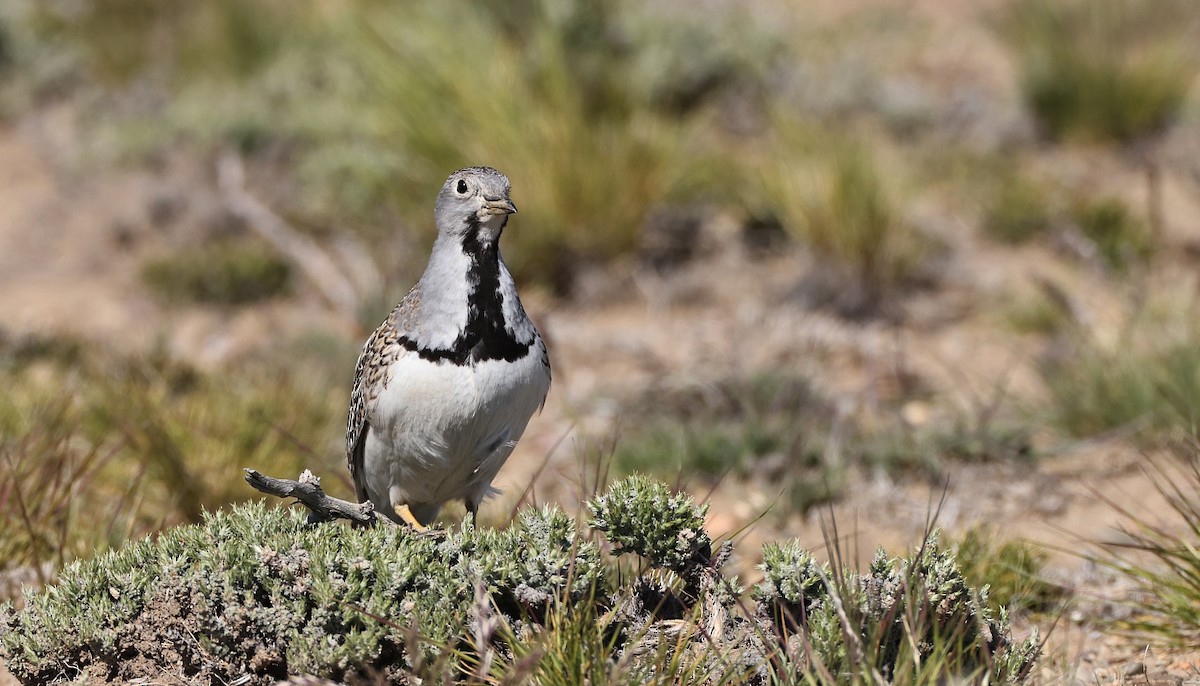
{"points": [[357, 427], [546, 363], [370, 376]]}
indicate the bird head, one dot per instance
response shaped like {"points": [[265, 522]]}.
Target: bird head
{"points": [[474, 204]]}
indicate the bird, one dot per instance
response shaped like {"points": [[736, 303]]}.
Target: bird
{"points": [[446, 385]]}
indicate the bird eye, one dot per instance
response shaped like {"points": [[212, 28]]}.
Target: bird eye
{"points": [[462, 186]]}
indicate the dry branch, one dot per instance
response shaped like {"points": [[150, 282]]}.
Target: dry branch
{"points": [[308, 491], [336, 287]]}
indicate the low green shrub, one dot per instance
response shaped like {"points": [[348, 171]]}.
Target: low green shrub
{"points": [[644, 517], [223, 272], [256, 594], [261, 592], [905, 620]]}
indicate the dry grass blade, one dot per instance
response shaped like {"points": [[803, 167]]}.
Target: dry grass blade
{"points": [[1161, 558], [46, 471]]}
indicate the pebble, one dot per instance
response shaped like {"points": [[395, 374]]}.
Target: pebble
{"points": [[1134, 669]]}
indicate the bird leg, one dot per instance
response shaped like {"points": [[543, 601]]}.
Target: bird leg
{"points": [[407, 515]]}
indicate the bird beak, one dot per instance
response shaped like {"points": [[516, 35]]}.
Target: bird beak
{"points": [[499, 206]]}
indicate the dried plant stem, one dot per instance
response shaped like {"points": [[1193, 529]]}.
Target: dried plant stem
{"points": [[308, 491], [312, 260]]}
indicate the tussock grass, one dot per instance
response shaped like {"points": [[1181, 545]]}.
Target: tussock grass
{"points": [[834, 195], [1036, 313], [586, 163], [46, 478], [1145, 384], [1160, 556], [224, 272], [1104, 69]]}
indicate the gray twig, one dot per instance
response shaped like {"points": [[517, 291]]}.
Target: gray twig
{"points": [[308, 491]]}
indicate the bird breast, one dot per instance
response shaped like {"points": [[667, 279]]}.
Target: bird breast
{"points": [[438, 422]]}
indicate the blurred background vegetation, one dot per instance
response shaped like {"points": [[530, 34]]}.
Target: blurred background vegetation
{"points": [[633, 133]]}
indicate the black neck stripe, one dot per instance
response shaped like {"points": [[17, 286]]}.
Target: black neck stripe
{"points": [[485, 336]]}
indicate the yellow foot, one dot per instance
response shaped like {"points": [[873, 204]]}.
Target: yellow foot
{"points": [[406, 514]]}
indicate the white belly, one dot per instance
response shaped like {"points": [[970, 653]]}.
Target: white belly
{"points": [[441, 432]]}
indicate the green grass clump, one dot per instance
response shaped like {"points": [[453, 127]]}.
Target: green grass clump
{"points": [[835, 196], [1036, 313], [1101, 391], [735, 427], [927, 449], [1161, 557], [1147, 388], [1120, 238], [257, 593], [1011, 570], [1104, 69], [223, 273], [546, 109], [1018, 210]]}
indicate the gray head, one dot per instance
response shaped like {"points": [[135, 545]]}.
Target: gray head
{"points": [[474, 201]]}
